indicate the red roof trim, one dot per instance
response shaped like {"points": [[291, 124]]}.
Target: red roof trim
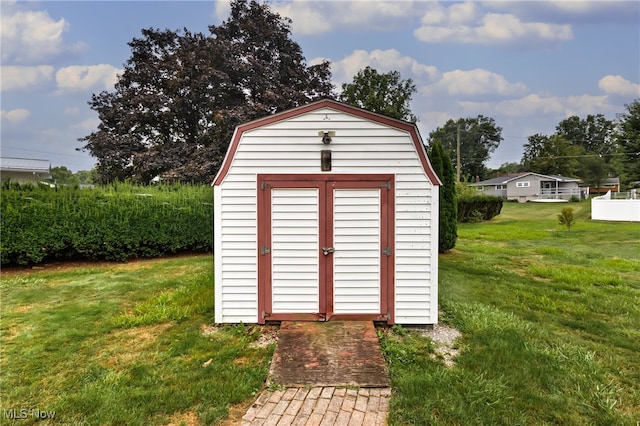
{"points": [[339, 106]]}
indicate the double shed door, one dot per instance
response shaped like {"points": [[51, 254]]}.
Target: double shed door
{"points": [[325, 247]]}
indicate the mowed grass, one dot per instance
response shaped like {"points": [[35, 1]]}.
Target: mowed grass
{"points": [[123, 344], [550, 323]]}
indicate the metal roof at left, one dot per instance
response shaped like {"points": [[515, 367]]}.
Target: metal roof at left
{"points": [[24, 164]]}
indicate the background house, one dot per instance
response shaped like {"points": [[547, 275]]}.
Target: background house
{"points": [[609, 184], [24, 170], [530, 186]]}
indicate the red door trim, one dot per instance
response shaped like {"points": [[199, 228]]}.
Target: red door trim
{"points": [[265, 182]]}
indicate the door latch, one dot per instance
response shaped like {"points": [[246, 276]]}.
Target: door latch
{"points": [[327, 250]]}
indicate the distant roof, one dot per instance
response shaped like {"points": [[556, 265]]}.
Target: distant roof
{"points": [[502, 180], [24, 165]]}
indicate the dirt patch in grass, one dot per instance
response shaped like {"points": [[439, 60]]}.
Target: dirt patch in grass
{"points": [[236, 412], [268, 335], [184, 419], [23, 309], [126, 345]]}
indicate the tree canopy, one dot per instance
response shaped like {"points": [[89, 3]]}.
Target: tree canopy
{"points": [[551, 155], [628, 138], [479, 138], [181, 95], [387, 94], [592, 148]]}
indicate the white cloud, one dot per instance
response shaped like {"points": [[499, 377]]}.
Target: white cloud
{"points": [[383, 61], [86, 77], [618, 85], [319, 17], [32, 36], [24, 78], [473, 83], [536, 105], [464, 23], [88, 125], [15, 115]]}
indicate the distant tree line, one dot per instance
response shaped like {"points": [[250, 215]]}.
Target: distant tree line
{"points": [[591, 148]]}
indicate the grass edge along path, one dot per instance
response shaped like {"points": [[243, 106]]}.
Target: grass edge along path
{"points": [[123, 344]]}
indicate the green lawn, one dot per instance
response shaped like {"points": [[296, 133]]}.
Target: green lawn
{"points": [[124, 344], [550, 321]]}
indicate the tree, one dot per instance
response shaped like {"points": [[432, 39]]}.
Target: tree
{"points": [[88, 177], [181, 95], [594, 134], [448, 218], [593, 170], [63, 176], [479, 138], [387, 94], [506, 169], [566, 218], [628, 137], [551, 155]]}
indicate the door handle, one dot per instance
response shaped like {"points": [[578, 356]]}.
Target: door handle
{"points": [[327, 250]]}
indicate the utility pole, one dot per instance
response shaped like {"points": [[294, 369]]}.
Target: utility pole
{"points": [[458, 155]]}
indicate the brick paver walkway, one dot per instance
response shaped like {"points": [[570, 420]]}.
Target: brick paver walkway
{"points": [[320, 406], [332, 374]]}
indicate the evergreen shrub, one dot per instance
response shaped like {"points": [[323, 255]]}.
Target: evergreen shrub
{"points": [[477, 208]]}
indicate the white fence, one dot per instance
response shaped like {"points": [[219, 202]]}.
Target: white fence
{"points": [[605, 208]]}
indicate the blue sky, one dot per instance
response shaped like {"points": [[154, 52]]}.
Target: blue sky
{"points": [[526, 64]]}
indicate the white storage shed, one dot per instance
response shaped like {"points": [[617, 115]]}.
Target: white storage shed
{"points": [[322, 212]]}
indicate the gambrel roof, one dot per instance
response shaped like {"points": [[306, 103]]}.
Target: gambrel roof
{"points": [[410, 128]]}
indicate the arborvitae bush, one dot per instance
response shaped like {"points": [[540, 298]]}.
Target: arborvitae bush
{"points": [[114, 222], [476, 208], [448, 205]]}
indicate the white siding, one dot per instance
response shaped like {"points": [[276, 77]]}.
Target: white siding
{"points": [[359, 146], [356, 270], [294, 250]]}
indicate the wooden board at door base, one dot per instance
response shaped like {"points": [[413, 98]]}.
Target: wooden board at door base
{"points": [[325, 247]]}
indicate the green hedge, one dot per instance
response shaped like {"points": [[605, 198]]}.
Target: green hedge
{"points": [[115, 222], [477, 208]]}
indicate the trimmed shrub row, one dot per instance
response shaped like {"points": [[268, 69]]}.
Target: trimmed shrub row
{"points": [[116, 222], [477, 208]]}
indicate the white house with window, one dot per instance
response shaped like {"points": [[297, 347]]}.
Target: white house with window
{"points": [[530, 186]]}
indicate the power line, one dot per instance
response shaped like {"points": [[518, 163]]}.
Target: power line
{"points": [[43, 152]]}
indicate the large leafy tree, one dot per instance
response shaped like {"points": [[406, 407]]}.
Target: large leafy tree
{"points": [[181, 95], [552, 155], [479, 138], [593, 133], [387, 94], [628, 138]]}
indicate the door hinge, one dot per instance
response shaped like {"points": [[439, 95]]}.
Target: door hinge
{"points": [[264, 250], [265, 314], [321, 316], [386, 185], [264, 185], [387, 250]]}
